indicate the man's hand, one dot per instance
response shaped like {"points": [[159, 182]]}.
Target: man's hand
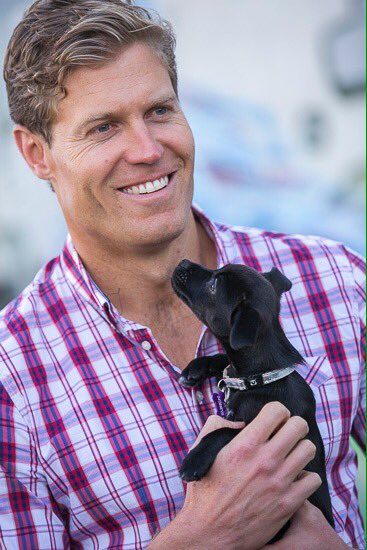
{"points": [[309, 530], [254, 486]]}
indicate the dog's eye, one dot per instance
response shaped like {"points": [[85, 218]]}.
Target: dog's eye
{"points": [[213, 286]]}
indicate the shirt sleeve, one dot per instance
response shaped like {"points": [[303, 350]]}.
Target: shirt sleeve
{"points": [[29, 516], [358, 265]]}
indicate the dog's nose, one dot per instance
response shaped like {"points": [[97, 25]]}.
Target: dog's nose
{"points": [[186, 264]]}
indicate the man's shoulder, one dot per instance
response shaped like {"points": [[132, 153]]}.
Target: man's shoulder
{"points": [[22, 313], [282, 239], [280, 246]]}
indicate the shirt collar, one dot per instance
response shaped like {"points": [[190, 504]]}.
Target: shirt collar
{"points": [[215, 233], [80, 280]]}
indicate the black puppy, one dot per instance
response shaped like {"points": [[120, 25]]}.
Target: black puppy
{"points": [[241, 307]]}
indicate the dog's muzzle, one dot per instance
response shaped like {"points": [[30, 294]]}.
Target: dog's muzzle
{"points": [[181, 274], [180, 277]]}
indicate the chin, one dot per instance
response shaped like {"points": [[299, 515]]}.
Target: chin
{"points": [[157, 230], [165, 229], [161, 236]]}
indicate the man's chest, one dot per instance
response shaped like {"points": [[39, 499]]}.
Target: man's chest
{"points": [[178, 339], [116, 435], [113, 423]]}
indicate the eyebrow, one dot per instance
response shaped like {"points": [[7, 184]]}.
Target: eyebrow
{"points": [[108, 115]]}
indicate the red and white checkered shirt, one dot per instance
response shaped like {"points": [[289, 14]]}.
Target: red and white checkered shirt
{"points": [[94, 423]]}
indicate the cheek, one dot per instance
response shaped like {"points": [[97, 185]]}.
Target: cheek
{"points": [[75, 188], [188, 145], [178, 138]]}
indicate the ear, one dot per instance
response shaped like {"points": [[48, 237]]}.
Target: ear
{"points": [[244, 327], [278, 280], [33, 149]]}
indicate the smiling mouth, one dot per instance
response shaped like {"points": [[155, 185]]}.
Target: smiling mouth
{"points": [[147, 187]]}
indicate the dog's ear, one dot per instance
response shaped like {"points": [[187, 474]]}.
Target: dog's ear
{"points": [[278, 280], [245, 324]]}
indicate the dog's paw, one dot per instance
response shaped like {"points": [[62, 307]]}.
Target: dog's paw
{"points": [[188, 476], [191, 470], [201, 458], [195, 465], [192, 376], [188, 381]]}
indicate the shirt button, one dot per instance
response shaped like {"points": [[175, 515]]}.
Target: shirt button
{"points": [[146, 345], [199, 396]]}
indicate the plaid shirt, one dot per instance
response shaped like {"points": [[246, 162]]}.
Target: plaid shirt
{"points": [[94, 424]]}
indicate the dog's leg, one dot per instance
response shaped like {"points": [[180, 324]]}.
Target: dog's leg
{"points": [[201, 368], [199, 460]]}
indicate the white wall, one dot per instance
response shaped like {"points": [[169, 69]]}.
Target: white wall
{"points": [[270, 51], [266, 51]]}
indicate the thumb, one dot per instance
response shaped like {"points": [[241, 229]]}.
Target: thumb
{"points": [[292, 533], [280, 545], [214, 422], [285, 543]]}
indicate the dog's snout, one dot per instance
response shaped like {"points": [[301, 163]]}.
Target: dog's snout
{"points": [[181, 273], [180, 276], [185, 264]]}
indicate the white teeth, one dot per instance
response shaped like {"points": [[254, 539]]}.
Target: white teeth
{"points": [[148, 187]]}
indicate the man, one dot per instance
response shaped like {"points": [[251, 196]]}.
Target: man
{"points": [[94, 422]]}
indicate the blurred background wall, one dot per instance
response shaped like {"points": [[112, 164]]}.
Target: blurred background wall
{"points": [[274, 91]]}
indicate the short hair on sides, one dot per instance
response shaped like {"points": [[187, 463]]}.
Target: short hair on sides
{"points": [[55, 37]]}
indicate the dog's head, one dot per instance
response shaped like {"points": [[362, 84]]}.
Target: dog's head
{"points": [[236, 302]]}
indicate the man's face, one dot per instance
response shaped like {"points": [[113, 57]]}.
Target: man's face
{"points": [[120, 126]]}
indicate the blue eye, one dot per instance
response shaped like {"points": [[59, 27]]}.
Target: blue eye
{"points": [[161, 111], [103, 128]]}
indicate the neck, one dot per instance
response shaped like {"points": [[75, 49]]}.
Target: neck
{"points": [[138, 283], [269, 353]]}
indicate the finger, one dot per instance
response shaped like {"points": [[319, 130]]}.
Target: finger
{"points": [[270, 418], [215, 422], [281, 444], [297, 460], [304, 486]]}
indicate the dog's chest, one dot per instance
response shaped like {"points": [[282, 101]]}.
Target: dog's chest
{"points": [[293, 392]]}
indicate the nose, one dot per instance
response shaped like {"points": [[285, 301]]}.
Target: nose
{"points": [[186, 264], [142, 147]]}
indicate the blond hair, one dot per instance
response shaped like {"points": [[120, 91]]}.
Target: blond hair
{"points": [[56, 36]]}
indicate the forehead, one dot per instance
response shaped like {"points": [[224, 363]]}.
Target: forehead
{"points": [[241, 271], [244, 277], [133, 76]]}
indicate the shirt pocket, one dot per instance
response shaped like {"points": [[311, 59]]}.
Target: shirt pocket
{"points": [[318, 373]]}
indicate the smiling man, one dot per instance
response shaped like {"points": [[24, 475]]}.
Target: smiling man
{"points": [[121, 162], [94, 421]]}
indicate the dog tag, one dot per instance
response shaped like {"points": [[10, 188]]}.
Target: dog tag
{"points": [[220, 406]]}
